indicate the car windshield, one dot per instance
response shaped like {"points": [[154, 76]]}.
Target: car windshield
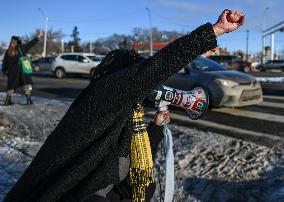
{"points": [[96, 58], [235, 59], [278, 61], [204, 64]]}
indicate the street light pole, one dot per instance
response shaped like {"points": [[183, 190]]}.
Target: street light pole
{"points": [[247, 45], [150, 31], [91, 45], [45, 33], [263, 37]]}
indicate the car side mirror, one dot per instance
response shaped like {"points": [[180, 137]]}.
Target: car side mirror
{"points": [[85, 60]]}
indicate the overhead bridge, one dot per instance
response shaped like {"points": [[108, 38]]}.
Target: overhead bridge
{"points": [[271, 32]]}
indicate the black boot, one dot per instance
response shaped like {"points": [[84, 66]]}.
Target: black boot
{"points": [[29, 100], [8, 100]]}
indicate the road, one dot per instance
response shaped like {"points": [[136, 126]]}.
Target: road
{"points": [[262, 123]]}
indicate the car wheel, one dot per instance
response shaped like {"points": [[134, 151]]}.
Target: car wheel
{"points": [[36, 68], [59, 73]]}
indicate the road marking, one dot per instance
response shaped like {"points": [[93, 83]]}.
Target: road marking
{"points": [[251, 114], [274, 97], [270, 79], [271, 104], [221, 127]]}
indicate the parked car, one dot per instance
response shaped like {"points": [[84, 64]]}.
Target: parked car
{"points": [[42, 64], [228, 88], [78, 63], [232, 62], [271, 64], [1, 59]]}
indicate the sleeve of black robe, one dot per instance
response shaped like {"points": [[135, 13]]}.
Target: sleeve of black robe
{"points": [[109, 95], [155, 134], [26, 47], [4, 64], [132, 85]]}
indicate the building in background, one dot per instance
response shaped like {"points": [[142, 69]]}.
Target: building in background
{"points": [[142, 48], [217, 51]]}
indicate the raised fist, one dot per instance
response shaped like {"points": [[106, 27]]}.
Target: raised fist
{"points": [[40, 34], [228, 21]]}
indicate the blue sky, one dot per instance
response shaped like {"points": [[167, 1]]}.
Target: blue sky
{"points": [[102, 18]]}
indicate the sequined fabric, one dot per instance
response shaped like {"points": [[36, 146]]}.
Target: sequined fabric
{"points": [[81, 155]]}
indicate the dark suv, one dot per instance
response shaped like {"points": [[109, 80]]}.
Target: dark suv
{"points": [[42, 64], [271, 64], [232, 62]]}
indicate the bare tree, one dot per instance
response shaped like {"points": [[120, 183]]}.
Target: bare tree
{"points": [[2, 48], [142, 35], [54, 39], [115, 41], [101, 45]]}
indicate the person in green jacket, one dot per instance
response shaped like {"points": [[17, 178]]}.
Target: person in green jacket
{"points": [[12, 68]]}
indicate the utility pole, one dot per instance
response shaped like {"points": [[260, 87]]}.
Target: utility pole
{"points": [[45, 33], [91, 45], [263, 37], [247, 45], [150, 31], [62, 45], [271, 32], [272, 48]]}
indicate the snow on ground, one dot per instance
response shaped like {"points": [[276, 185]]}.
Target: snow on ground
{"points": [[208, 166], [270, 79], [22, 131]]}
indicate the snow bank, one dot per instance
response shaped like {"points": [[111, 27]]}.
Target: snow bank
{"points": [[208, 166], [23, 129]]}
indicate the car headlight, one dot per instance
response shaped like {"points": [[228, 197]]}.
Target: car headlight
{"points": [[227, 83]]}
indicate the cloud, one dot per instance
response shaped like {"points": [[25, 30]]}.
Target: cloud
{"points": [[187, 11]]}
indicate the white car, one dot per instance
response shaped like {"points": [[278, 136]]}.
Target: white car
{"points": [[78, 63], [1, 59]]}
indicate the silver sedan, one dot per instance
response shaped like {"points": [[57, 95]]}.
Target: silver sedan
{"points": [[226, 88]]}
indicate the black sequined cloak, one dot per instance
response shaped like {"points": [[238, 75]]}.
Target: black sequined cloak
{"points": [[81, 155]]}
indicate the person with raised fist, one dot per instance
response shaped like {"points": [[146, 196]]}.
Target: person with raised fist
{"points": [[102, 145], [13, 69]]}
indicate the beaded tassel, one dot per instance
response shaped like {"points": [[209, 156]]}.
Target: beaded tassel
{"points": [[141, 167]]}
